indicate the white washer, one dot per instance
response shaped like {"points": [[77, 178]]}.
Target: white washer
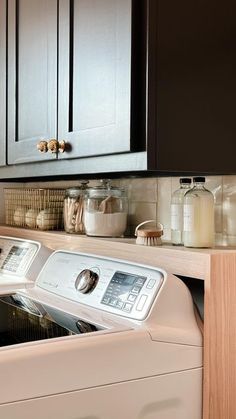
{"points": [[115, 340]]}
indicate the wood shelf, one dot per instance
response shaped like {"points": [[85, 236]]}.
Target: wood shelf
{"points": [[178, 260], [217, 267]]}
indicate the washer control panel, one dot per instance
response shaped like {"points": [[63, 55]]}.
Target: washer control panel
{"points": [[16, 256], [111, 285], [123, 290]]}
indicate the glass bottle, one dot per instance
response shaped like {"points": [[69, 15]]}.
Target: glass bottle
{"points": [[177, 201], [198, 215]]}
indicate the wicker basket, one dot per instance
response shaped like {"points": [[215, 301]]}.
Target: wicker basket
{"points": [[34, 208]]}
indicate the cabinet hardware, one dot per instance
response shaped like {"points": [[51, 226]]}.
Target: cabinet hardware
{"points": [[42, 146], [61, 146], [53, 146]]}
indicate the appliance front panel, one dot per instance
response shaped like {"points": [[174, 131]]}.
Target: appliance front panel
{"points": [[117, 286]]}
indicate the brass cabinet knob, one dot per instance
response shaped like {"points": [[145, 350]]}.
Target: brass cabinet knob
{"points": [[61, 146], [42, 146], [53, 146]]}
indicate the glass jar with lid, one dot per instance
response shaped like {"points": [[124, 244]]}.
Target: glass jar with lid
{"points": [[74, 208], [106, 210]]}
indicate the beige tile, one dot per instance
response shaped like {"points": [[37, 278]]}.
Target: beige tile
{"points": [[141, 211], [163, 207], [141, 189], [229, 208], [215, 185], [229, 181]]}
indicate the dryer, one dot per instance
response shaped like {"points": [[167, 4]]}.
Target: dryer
{"points": [[100, 338]]}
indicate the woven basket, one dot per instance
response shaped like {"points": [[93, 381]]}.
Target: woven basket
{"points": [[34, 208]]}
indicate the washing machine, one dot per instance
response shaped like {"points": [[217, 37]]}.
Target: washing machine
{"points": [[99, 338]]}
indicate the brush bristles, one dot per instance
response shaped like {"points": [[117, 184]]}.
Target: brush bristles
{"points": [[148, 241]]}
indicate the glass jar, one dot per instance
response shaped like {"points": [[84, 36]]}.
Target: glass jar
{"points": [[74, 209], [106, 210], [198, 215]]}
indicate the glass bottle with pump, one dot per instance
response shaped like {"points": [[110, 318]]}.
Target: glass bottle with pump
{"points": [[177, 201], [198, 215]]}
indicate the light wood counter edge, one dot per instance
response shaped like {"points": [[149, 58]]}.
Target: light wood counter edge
{"points": [[177, 260], [220, 338]]}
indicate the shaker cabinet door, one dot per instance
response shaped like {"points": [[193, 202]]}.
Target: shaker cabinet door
{"points": [[94, 76], [192, 77], [32, 78], [2, 82]]}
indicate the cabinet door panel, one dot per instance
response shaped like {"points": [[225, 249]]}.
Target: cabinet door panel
{"points": [[32, 82], [94, 103], [2, 82], [194, 86]]}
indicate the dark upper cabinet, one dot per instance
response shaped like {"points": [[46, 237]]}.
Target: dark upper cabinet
{"points": [[129, 85], [192, 75], [87, 45], [32, 78], [94, 77], [2, 82]]}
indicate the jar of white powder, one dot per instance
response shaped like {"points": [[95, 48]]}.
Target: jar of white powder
{"points": [[106, 209]]}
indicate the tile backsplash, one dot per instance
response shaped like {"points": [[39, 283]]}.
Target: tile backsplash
{"points": [[149, 198]]}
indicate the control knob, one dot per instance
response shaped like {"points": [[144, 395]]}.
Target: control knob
{"points": [[86, 281]]}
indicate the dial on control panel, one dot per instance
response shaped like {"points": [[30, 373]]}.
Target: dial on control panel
{"points": [[86, 281]]}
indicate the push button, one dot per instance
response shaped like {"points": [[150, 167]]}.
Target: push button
{"points": [[127, 307], [113, 302], [140, 281], [141, 302], [106, 300], [132, 297], [119, 304], [151, 283], [135, 290]]}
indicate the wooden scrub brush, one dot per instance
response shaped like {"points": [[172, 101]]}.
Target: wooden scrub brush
{"points": [[151, 236]]}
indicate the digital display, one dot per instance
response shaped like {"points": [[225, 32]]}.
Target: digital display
{"points": [[14, 258], [123, 290], [125, 278], [17, 251]]}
